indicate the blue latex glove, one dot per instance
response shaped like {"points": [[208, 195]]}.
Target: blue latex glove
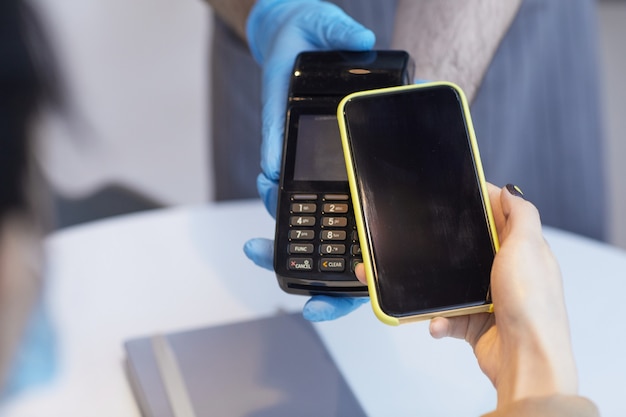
{"points": [[318, 307], [277, 31], [35, 361]]}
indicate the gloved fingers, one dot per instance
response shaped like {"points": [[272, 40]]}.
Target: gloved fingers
{"points": [[323, 24], [261, 252], [268, 190], [275, 90], [282, 30], [317, 308], [267, 19], [323, 307], [276, 75], [329, 27]]}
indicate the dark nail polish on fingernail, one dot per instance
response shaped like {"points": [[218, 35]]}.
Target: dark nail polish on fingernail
{"points": [[515, 190]]}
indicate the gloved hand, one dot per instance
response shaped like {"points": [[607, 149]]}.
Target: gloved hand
{"points": [[35, 362], [277, 31], [318, 307]]}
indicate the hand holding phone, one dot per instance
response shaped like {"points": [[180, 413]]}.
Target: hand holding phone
{"points": [[527, 291], [422, 209]]}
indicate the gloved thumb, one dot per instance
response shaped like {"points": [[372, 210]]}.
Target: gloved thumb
{"points": [[324, 308], [268, 190], [261, 252]]}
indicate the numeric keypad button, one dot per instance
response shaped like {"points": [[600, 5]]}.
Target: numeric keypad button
{"points": [[301, 234], [302, 221], [334, 221], [303, 207], [332, 249], [333, 235], [335, 208]]}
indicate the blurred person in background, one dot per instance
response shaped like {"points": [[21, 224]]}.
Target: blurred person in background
{"points": [[26, 338]]}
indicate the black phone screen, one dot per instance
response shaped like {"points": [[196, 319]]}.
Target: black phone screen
{"points": [[421, 200]]}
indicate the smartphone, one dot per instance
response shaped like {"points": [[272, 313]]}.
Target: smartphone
{"points": [[316, 243], [424, 220]]}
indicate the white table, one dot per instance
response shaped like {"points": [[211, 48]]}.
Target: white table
{"points": [[183, 268]]}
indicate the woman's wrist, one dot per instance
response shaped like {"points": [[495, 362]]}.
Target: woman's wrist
{"points": [[537, 370], [551, 405]]}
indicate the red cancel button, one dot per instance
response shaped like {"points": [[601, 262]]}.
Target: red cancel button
{"points": [[300, 264]]}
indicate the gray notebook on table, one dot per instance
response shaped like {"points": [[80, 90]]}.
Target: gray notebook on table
{"points": [[271, 367]]}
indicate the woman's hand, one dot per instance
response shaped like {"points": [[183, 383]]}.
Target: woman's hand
{"points": [[524, 346]]}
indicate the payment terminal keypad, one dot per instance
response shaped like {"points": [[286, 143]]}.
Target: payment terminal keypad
{"points": [[322, 235]]}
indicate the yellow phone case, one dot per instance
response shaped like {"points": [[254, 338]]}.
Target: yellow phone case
{"points": [[365, 249]]}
